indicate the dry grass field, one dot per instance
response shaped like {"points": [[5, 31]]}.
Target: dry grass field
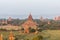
{"points": [[52, 34], [9, 27]]}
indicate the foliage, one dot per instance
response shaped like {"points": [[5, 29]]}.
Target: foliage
{"points": [[32, 30], [37, 38]]}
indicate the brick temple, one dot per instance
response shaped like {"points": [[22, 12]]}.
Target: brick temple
{"points": [[29, 23]]}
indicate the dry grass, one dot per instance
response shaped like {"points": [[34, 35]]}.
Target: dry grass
{"points": [[53, 34], [9, 27], [47, 34]]}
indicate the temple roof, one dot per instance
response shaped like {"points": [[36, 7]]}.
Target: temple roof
{"points": [[29, 22]]}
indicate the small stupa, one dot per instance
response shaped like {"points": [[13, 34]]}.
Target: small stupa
{"points": [[11, 36], [1, 37]]}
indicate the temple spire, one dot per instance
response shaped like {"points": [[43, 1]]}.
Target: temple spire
{"points": [[41, 18], [30, 17]]}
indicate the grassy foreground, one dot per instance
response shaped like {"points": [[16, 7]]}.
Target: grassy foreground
{"points": [[52, 34], [47, 35]]}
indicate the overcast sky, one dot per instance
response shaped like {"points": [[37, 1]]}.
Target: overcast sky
{"points": [[22, 8]]}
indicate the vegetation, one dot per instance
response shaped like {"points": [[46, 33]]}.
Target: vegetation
{"points": [[45, 31], [54, 25], [44, 35]]}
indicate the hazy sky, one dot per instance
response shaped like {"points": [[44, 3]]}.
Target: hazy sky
{"points": [[22, 8]]}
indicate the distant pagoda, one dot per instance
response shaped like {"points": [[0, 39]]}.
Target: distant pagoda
{"points": [[41, 18], [57, 18], [29, 23], [9, 20]]}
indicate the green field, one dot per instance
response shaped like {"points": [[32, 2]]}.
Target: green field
{"points": [[47, 35]]}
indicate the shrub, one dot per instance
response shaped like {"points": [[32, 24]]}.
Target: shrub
{"points": [[37, 38], [32, 30]]}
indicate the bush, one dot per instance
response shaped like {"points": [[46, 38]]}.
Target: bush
{"points": [[38, 38], [32, 30], [40, 30]]}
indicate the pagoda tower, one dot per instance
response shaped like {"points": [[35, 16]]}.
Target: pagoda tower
{"points": [[29, 23], [57, 18], [9, 20], [41, 18]]}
